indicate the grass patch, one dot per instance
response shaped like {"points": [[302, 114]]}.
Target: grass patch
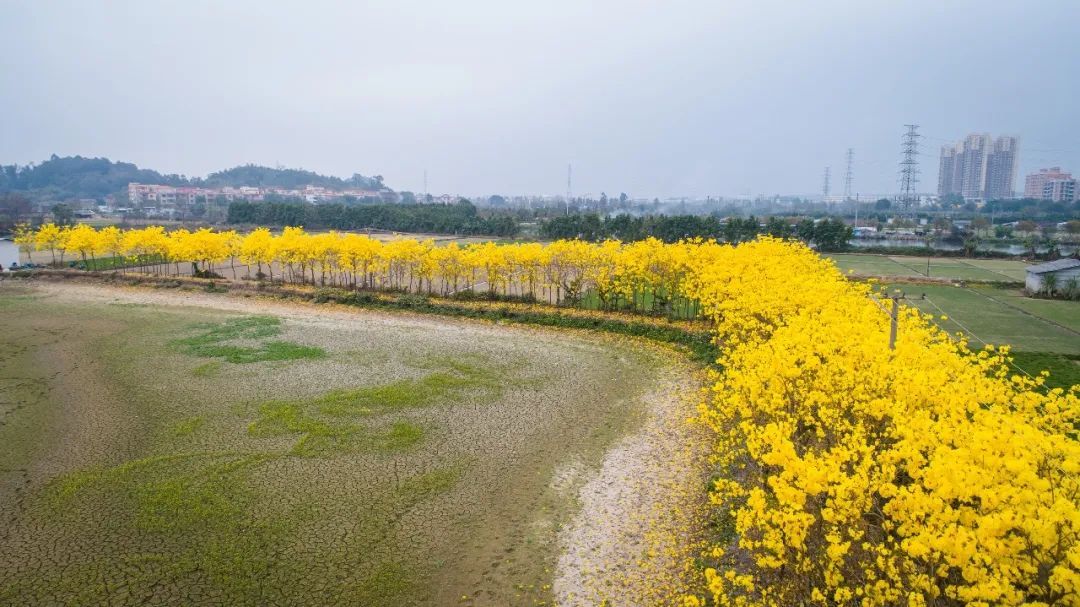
{"points": [[384, 586], [324, 437], [422, 486], [274, 350], [210, 343], [326, 423], [186, 427], [1064, 368], [200, 502], [951, 268], [320, 438], [402, 394], [248, 327], [992, 315]]}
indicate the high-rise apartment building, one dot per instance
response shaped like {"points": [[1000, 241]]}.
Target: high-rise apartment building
{"points": [[979, 167], [1034, 182], [1060, 190], [1001, 169]]}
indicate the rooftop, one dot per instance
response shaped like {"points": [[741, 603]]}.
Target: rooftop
{"points": [[1053, 266]]}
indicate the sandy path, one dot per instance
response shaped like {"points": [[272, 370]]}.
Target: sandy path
{"points": [[632, 542]]}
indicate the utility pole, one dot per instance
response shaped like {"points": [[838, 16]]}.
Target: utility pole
{"points": [[848, 174], [894, 317], [909, 166]]}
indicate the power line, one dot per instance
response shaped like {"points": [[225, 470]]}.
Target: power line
{"points": [[894, 315], [909, 166], [979, 339], [847, 175]]}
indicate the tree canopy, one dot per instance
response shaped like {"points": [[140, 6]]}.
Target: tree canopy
{"points": [[459, 218], [78, 177]]}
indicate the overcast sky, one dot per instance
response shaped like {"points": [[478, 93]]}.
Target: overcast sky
{"points": [[661, 99]]}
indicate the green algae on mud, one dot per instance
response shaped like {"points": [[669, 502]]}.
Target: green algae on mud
{"points": [[410, 463], [211, 342]]}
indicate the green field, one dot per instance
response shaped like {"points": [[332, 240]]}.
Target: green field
{"points": [[953, 268], [1044, 333]]}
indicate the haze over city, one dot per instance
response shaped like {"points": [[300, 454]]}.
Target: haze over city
{"points": [[684, 99]]}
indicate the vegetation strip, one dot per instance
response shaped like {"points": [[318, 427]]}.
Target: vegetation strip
{"points": [[694, 338]]}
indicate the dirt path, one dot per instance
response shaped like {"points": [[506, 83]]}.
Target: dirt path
{"points": [[632, 542]]}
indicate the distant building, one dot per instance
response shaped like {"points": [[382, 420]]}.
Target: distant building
{"points": [[978, 168], [1001, 169], [1060, 190], [1062, 269], [1051, 184], [1034, 182], [141, 195]]}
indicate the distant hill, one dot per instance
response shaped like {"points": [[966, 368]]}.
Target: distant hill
{"points": [[266, 177], [77, 177]]}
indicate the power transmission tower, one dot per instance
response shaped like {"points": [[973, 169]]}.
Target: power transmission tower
{"points": [[848, 174], [425, 186], [825, 186], [909, 167], [569, 190]]}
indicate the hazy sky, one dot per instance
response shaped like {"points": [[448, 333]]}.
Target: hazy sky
{"points": [[654, 99]]}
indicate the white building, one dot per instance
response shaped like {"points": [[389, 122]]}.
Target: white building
{"points": [[1062, 269], [1060, 190], [979, 167]]}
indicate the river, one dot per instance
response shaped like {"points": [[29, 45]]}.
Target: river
{"points": [[9, 253]]}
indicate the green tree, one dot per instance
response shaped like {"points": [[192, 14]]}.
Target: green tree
{"points": [[63, 215], [1050, 283], [1027, 226], [832, 235], [778, 227], [952, 200], [980, 224]]}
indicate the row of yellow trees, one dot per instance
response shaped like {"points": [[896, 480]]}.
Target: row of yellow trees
{"points": [[852, 474], [846, 472], [644, 275]]}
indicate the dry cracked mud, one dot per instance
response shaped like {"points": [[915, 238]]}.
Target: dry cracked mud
{"points": [[176, 448]]}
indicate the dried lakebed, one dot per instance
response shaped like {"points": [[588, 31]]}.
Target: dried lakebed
{"points": [[173, 448]]}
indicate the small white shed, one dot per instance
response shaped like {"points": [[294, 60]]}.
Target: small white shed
{"points": [[1062, 269]]}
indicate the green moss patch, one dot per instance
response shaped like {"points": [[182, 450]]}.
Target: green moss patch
{"points": [[211, 342]]}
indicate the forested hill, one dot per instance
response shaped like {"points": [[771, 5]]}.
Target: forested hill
{"points": [[77, 177], [286, 178]]}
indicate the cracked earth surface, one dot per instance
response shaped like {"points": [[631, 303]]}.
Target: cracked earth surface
{"points": [[415, 461]]}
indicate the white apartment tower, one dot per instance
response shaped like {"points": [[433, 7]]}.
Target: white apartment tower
{"points": [[979, 167]]}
